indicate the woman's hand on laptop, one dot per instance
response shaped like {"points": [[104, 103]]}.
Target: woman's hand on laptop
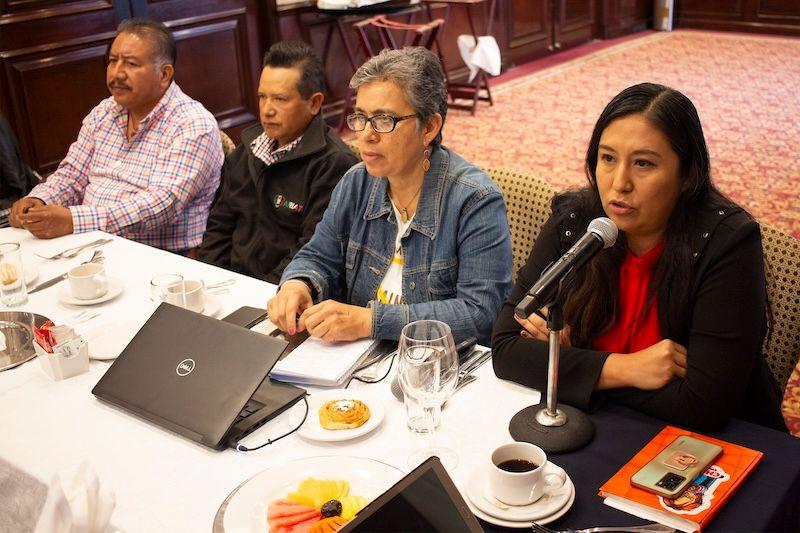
{"points": [[293, 298], [334, 321]]}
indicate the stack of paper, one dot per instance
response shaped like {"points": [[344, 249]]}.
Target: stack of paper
{"points": [[316, 362]]}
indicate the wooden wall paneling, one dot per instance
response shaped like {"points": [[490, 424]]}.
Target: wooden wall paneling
{"points": [[530, 29], [213, 67], [28, 24], [52, 90], [574, 23], [730, 9], [52, 65], [620, 17], [760, 16], [778, 9]]}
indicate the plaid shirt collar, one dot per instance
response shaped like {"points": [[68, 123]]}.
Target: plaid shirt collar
{"points": [[267, 150], [154, 115]]}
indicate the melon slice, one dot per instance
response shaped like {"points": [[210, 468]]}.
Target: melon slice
{"points": [[284, 516]]}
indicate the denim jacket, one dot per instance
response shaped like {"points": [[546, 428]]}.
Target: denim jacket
{"points": [[457, 250]]}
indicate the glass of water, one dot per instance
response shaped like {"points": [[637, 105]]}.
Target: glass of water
{"points": [[12, 277], [428, 373], [168, 288]]}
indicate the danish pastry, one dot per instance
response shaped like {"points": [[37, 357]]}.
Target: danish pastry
{"points": [[343, 414], [8, 273]]}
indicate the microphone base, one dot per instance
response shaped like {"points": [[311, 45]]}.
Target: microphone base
{"points": [[577, 432]]}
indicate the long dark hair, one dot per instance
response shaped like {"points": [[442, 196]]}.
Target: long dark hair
{"points": [[591, 298]]}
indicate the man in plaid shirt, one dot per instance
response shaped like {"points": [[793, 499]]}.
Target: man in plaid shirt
{"points": [[147, 161]]}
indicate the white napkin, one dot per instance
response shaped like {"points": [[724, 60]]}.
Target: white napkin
{"points": [[76, 503], [346, 4], [484, 55]]}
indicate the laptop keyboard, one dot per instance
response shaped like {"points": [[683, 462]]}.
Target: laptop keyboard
{"points": [[250, 407]]}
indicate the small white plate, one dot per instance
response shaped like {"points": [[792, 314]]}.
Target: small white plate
{"points": [[31, 273], [312, 429], [545, 510], [211, 306], [107, 341], [115, 288]]}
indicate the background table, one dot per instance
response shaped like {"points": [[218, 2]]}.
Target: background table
{"points": [[166, 483]]}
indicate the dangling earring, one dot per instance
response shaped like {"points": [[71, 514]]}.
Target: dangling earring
{"points": [[426, 164]]}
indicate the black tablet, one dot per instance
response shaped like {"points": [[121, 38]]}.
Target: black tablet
{"points": [[425, 500]]}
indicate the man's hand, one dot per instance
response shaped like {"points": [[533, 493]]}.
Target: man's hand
{"points": [[333, 321], [293, 298], [647, 369], [535, 327], [47, 221], [20, 207]]}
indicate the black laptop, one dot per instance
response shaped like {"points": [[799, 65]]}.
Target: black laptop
{"points": [[425, 500], [199, 377]]}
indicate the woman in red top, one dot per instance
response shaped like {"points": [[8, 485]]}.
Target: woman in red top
{"points": [[670, 320]]}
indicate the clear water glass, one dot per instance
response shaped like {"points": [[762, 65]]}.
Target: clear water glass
{"points": [[168, 288], [13, 291], [428, 371]]}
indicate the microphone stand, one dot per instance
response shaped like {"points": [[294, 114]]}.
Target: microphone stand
{"points": [[553, 428]]}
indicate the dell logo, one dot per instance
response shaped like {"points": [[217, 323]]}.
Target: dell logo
{"points": [[185, 367]]}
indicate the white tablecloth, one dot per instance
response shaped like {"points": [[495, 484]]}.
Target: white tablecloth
{"points": [[162, 481]]}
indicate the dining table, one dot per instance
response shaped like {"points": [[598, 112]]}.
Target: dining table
{"points": [[164, 482]]}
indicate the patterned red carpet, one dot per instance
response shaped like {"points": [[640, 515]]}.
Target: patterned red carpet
{"points": [[745, 88]]}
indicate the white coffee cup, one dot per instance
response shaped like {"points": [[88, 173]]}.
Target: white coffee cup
{"points": [[527, 486], [190, 294], [89, 281]]}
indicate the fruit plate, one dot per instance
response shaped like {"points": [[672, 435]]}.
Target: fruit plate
{"points": [[246, 510]]}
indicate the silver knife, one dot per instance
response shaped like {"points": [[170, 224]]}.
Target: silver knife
{"points": [[97, 257], [49, 283]]}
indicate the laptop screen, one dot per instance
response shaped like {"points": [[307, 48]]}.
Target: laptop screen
{"points": [[425, 500]]}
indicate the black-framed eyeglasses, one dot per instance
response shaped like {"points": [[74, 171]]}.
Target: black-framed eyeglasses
{"points": [[381, 123]]}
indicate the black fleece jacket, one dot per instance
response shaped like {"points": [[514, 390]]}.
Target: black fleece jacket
{"points": [[723, 329], [265, 214]]}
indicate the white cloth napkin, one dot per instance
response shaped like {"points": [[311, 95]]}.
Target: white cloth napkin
{"points": [[346, 4], [76, 503], [484, 55]]}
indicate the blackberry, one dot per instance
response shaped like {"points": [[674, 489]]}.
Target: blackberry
{"points": [[331, 508]]}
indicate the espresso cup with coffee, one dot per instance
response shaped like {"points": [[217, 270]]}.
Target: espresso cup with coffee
{"points": [[519, 474], [88, 281]]}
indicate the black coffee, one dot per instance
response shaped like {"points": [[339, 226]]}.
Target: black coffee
{"points": [[517, 465]]}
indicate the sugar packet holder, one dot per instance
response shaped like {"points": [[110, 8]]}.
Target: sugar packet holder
{"points": [[69, 358]]}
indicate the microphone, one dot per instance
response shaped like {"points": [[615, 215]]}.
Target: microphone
{"points": [[601, 233]]}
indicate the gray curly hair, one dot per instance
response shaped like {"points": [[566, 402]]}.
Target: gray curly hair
{"points": [[418, 73]]}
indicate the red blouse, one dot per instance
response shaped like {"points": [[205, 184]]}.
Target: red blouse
{"points": [[632, 332]]}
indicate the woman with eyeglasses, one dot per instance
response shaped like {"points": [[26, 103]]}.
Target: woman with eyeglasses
{"points": [[669, 320], [414, 232]]}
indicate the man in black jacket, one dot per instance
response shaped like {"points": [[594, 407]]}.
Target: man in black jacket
{"points": [[16, 179], [277, 183]]}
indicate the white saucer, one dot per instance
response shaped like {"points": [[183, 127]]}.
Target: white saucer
{"points": [[115, 288], [211, 306], [31, 273], [548, 508], [311, 428], [107, 341]]}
